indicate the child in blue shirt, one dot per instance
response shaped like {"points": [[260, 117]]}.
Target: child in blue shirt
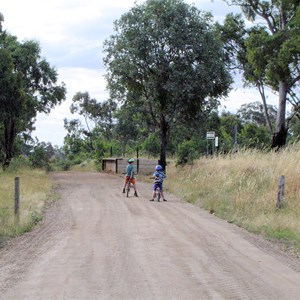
{"points": [[159, 177]]}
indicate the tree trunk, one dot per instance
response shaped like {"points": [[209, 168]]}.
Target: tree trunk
{"points": [[279, 137], [9, 138], [164, 128]]}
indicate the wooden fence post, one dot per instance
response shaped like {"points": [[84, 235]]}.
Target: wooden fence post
{"points": [[117, 167], [280, 193], [17, 198]]}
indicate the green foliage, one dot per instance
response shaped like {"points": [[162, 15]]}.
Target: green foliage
{"points": [[61, 165], [226, 133], [294, 130], [27, 86], [38, 158], [98, 116], [41, 155], [187, 152], [101, 149], [129, 127], [36, 217], [74, 140], [93, 138], [252, 136], [268, 53], [283, 234], [254, 113], [18, 163], [151, 144], [166, 58]]}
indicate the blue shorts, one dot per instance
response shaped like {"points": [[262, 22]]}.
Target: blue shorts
{"points": [[156, 185]]}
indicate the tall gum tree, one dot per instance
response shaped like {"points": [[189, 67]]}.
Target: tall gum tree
{"points": [[27, 86], [273, 53], [166, 55]]}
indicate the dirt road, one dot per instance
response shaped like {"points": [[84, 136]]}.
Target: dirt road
{"points": [[95, 243]]}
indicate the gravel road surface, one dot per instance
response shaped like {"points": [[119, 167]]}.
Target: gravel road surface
{"points": [[94, 243]]}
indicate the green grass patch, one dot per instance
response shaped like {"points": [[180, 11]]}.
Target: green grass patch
{"points": [[284, 234]]}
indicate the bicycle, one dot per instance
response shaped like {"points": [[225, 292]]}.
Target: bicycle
{"points": [[129, 185], [158, 193]]}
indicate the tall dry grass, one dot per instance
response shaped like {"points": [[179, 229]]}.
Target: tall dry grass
{"points": [[35, 189], [242, 189]]}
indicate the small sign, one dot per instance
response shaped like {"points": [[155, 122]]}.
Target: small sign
{"points": [[210, 135], [216, 141]]}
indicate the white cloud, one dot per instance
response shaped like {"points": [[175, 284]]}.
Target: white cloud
{"points": [[71, 35], [239, 96], [49, 128], [81, 80]]}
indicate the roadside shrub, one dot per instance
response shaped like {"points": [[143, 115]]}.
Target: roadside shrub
{"points": [[187, 152], [61, 165], [18, 163], [39, 158]]}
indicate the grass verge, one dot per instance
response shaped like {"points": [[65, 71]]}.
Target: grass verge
{"points": [[242, 189], [35, 191]]}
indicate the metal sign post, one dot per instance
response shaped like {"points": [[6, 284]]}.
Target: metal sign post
{"points": [[210, 135]]}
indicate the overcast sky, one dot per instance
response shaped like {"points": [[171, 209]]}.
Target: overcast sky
{"points": [[71, 34]]}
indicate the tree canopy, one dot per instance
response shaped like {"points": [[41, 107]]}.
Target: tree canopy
{"points": [[28, 85], [270, 52], [166, 58], [253, 112]]}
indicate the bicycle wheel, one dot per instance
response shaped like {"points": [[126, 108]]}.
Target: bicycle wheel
{"points": [[128, 190], [158, 194]]}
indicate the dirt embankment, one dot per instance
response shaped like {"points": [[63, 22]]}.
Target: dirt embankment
{"points": [[95, 243]]}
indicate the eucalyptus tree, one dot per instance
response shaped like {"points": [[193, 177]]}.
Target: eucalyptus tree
{"points": [[253, 112], [98, 116], [166, 55], [74, 141], [234, 35], [273, 52], [127, 127], [11, 103], [27, 86]]}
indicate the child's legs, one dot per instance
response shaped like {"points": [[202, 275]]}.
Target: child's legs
{"points": [[162, 191], [126, 181], [155, 186], [154, 190], [133, 182]]}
